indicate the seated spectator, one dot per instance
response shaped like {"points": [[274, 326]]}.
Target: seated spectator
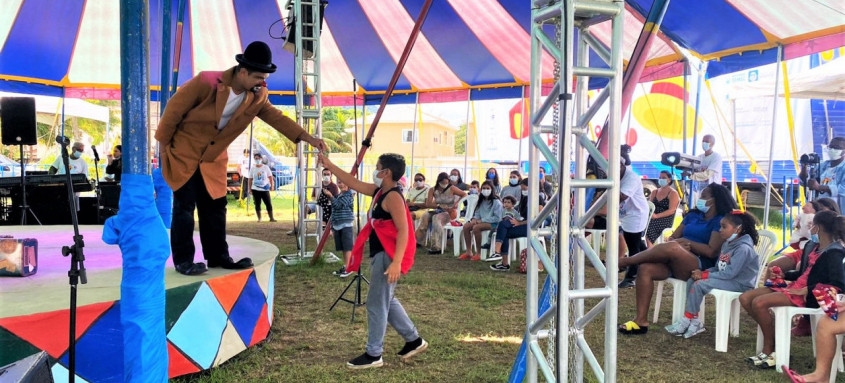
{"points": [[474, 187], [512, 228], [417, 196], [545, 185], [831, 182], [825, 266], [666, 201], [456, 180], [443, 198], [695, 244], [327, 193], [487, 215], [513, 189], [736, 270], [493, 176], [794, 263]]}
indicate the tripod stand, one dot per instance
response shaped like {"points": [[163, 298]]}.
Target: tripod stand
{"points": [[76, 274], [356, 301], [24, 207]]}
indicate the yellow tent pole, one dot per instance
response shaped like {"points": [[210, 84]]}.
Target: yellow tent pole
{"points": [[739, 199], [791, 121]]}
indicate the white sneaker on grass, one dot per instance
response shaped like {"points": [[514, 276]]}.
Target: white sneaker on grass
{"points": [[695, 328], [494, 257], [678, 328]]}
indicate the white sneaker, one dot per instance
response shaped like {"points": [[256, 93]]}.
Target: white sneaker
{"points": [[678, 328], [695, 328], [494, 257]]}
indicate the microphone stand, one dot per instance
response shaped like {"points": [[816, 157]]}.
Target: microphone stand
{"points": [[76, 274], [96, 180]]}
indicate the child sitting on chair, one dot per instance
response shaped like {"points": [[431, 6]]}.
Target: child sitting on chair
{"points": [[801, 231], [736, 270]]}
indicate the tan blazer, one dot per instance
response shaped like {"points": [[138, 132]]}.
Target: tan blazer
{"points": [[188, 129]]}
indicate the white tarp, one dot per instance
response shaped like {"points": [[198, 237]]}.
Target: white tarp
{"points": [[46, 107], [825, 82]]}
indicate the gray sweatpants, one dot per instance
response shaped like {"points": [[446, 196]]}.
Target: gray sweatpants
{"points": [[696, 290], [383, 308]]}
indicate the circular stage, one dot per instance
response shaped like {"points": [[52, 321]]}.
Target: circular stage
{"points": [[209, 318]]}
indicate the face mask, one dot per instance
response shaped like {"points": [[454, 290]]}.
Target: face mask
{"points": [[834, 154], [327, 179], [701, 205], [733, 236], [444, 185], [491, 175], [705, 146], [525, 193], [814, 237], [77, 153], [514, 181], [662, 182], [542, 176], [473, 191], [485, 192], [420, 184], [453, 178], [376, 180]]}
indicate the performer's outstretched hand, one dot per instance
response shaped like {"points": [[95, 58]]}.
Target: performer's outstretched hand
{"points": [[317, 143]]}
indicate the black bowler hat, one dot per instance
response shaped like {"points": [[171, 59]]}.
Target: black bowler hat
{"points": [[257, 56]]}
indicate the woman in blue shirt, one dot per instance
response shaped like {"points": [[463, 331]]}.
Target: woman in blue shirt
{"points": [[695, 244]]}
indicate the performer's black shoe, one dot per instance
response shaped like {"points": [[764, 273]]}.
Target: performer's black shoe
{"points": [[228, 263], [190, 268]]}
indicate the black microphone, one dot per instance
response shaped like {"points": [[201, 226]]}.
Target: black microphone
{"points": [[63, 140], [96, 155]]}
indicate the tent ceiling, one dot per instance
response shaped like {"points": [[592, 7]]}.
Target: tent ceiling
{"points": [[479, 44]]}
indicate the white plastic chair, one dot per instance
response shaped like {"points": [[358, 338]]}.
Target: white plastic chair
{"points": [[727, 302], [679, 293], [648, 221], [783, 333], [472, 201]]}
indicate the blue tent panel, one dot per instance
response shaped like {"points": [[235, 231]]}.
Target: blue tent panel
{"points": [[56, 36]]}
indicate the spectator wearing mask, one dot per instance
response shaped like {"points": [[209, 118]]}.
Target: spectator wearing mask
{"points": [[417, 196], [488, 213], [493, 176], [456, 180], [512, 189], [831, 173]]}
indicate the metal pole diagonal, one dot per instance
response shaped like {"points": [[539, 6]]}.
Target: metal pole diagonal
{"points": [[400, 66]]}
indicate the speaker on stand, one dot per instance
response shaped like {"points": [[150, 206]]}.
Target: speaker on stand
{"points": [[17, 127]]}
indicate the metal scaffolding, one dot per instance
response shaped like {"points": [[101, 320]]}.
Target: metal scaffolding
{"points": [[563, 325], [304, 16]]}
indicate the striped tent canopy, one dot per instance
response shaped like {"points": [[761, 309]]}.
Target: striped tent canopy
{"points": [[478, 48]]}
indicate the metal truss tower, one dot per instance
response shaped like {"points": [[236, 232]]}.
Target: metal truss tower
{"points": [[573, 304]]}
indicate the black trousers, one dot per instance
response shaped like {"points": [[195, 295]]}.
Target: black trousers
{"points": [[262, 195], [212, 220], [635, 244]]}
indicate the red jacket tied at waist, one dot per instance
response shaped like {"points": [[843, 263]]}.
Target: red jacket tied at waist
{"points": [[387, 233]]}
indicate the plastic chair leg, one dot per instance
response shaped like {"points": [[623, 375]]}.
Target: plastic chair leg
{"points": [[723, 321], [657, 301], [759, 347], [735, 309], [679, 302], [783, 337]]}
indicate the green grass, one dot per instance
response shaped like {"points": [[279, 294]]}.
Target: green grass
{"points": [[473, 319]]}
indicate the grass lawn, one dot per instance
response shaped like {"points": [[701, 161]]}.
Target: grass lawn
{"points": [[473, 318]]}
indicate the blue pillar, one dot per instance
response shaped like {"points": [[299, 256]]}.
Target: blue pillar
{"points": [[134, 85], [138, 228]]}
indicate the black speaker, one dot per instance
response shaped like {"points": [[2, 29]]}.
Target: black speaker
{"points": [[307, 45], [32, 369], [17, 120]]}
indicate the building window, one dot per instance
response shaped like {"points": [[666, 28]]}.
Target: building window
{"points": [[407, 135], [436, 138]]}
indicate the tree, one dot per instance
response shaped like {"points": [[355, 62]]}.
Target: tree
{"points": [[461, 140], [334, 129]]}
